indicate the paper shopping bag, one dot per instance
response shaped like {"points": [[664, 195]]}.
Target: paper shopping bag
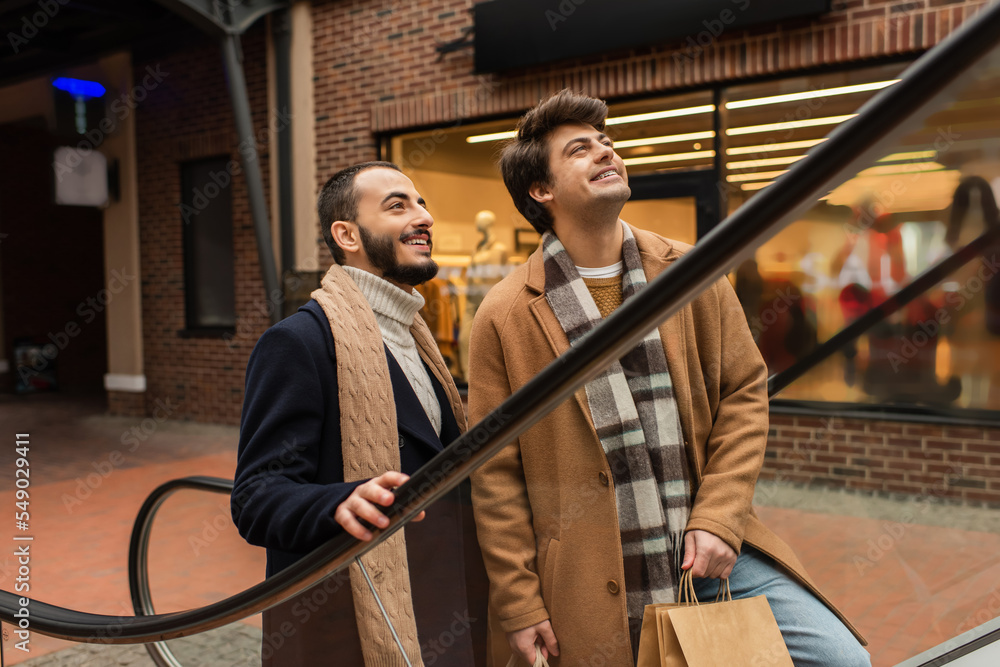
{"points": [[725, 633], [650, 642], [657, 642], [729, 633]]}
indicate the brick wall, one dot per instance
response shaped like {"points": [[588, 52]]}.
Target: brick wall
{"points": [[942, 462], [127, 404], [189, 116], [377, 69]]}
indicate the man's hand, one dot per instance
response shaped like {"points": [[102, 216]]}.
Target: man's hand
{"points": [[523, 642], [361, 504], [707, 555]]}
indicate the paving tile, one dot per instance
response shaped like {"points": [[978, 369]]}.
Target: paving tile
{"points": [[84, 499]]}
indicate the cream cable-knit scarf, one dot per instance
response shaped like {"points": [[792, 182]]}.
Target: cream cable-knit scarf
{"points": [[395, 309], [370, 442]]}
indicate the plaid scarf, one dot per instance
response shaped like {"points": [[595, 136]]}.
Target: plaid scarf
{"points": [[635, 414]]}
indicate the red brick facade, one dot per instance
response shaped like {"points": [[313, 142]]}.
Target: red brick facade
{"points": [[187, 117], [377, 71], [938, 462]]}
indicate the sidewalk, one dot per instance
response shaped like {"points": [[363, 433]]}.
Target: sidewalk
{"points": [[909, 574], [89, 476]]}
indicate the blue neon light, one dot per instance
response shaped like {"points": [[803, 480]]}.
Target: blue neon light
{"points": [[79, 87]]}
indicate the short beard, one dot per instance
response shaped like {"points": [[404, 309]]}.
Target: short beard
{"points": [[381, 251]]}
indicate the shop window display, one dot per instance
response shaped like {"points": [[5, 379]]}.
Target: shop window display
{"points": [[854, 248], [868, 238]]}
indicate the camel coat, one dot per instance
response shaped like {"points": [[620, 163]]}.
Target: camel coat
{"points": [[545, 505]]}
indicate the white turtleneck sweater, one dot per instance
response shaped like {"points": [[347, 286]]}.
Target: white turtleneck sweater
{"points": [[394, 311]]}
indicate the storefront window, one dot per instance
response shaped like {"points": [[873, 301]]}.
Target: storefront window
{"points": [[865, 240], [860, 244]]}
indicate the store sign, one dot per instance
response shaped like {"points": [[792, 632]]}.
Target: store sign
{"points": [[520, 33]]}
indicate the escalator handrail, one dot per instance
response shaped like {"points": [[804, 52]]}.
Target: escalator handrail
{"points": [[138, 552], [858, 142]]}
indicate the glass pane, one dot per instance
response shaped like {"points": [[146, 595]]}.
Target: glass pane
{"points": [[675, 218], [770, 126], [910, 554], [869, 237], [659, 135]]}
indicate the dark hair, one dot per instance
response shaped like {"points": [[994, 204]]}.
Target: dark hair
{"points": [[338, 200], [961, 202], [525, 158]]}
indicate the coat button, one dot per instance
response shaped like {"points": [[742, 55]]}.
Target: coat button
{"points": [[603, 477], [613, 587], [402, 442]]}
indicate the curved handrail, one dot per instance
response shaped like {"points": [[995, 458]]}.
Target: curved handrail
{"points": [[138, 552], [880, 122]]}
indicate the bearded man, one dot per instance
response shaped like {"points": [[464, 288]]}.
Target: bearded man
{"points": [[345, 399]]}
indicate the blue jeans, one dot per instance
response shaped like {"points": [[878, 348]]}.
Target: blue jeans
{"points": [[813, 634]]}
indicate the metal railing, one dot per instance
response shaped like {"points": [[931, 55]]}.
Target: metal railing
{"points": [[927, 84], [138, 552]]}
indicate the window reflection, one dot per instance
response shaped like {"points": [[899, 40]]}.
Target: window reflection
{"points": [[864, 241]]}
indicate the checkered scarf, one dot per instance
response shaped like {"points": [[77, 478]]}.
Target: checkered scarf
{"points": [[635, 413]]}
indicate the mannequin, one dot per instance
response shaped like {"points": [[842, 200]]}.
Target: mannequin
{"points": [[975, 305], [486, 269], [898, 369], [489, 251]]}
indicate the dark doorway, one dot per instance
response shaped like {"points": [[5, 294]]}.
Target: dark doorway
{"points": [[51, 273]]}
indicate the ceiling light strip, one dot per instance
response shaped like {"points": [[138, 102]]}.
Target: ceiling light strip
{"points": [[774, 148], [913, 155], [495, 136], [811, 94], [756, 176], [667, 139], [746, 187], [670, 157], [659, 115], [766, 162], [912, 168], [789, 125]]}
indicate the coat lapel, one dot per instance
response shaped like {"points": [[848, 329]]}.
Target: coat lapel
{"points": [[547, 321], [410, 415]]}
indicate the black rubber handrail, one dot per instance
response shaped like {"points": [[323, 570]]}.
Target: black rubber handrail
{"points": [[138, 552], [928, 83]]}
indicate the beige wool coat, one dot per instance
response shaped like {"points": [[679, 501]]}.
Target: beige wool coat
{"points": [[545, 505]]}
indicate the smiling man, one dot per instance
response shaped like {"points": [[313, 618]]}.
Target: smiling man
{"points": [[344, 399], [592, 513]]}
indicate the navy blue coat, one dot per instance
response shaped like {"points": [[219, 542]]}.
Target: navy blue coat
{"points": [[290, 480]]}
